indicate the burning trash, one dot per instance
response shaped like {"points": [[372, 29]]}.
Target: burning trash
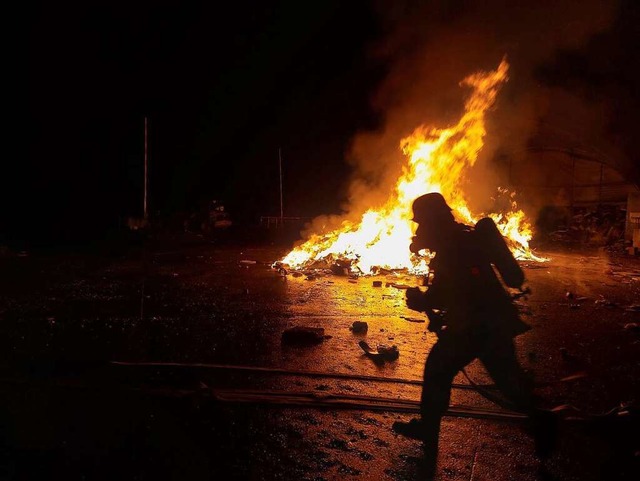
{"points": [[437, 160]]}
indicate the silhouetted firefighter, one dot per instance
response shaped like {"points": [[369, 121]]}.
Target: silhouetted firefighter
{"points": [[473, 315]]}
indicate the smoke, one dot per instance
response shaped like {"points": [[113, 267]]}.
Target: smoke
{"points": [[431, 46]]}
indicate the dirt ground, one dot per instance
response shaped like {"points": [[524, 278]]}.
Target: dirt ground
{"points": [[67, 410]]}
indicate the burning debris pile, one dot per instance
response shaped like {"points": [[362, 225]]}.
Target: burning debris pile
{"points": [[437, 160]]}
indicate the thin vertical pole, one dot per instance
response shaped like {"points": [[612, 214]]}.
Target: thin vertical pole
{"points": [[601, 179], [146, 215], [280, 165], [573, 178]]}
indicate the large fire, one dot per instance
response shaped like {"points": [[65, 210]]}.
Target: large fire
{"points": [[436, 161]]}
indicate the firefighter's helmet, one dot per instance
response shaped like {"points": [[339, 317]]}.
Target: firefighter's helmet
{"points": [[431, 206]]}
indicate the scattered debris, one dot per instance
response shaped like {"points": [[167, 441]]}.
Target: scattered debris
{"points": [[633, 327], [339, 271], [342, 267], [605, 302], [412, 319], [359, 327], [353, 281], [301, 335], [390, 353], [384, 353], [377, 283], [532, 266]]}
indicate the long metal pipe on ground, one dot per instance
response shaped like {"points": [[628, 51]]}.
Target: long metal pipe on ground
{"points": [[321, 374]]}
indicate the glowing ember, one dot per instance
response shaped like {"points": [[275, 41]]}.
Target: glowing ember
{"points": [[437, 160]]}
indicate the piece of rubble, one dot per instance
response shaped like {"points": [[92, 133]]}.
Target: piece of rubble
{"points": [[377, 283], [633, 327], [389, 353], [339, 270], [359, 327], [302, 335], [383, 354], [412, 319], [248, 262], [605, 302]]}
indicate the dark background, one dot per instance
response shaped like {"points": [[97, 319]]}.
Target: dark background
{"points": [[224, 86]]}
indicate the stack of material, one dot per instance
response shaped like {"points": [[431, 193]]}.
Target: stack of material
{"points": [[602, 225]]}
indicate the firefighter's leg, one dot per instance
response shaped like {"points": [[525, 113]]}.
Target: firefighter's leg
{"points": [[500, 360], [447, 357]]}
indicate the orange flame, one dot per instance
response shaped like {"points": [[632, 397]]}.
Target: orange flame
{"points": [[437, 160]]}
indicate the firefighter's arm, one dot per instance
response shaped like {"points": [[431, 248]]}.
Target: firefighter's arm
{"points": [[436, 320], [417, 300], [424, 302]]}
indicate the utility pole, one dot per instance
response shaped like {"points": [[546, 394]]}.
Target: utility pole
{"points": [[146, 214], [280, 165]]}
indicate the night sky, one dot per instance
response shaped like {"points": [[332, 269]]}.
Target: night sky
{"points": [[224, 86]]}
